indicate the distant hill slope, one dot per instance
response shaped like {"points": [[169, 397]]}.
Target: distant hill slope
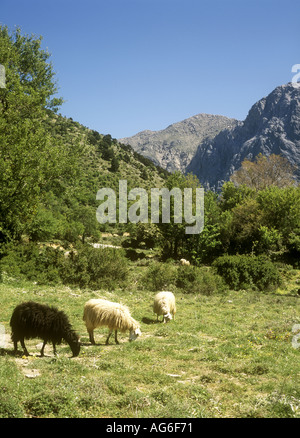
{"points": [[103, 160], [174, 147], [271, 127]]}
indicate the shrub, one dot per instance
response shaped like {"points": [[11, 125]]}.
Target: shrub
{"points": [[93, 267], [32, 262], [202, 280], [242, 271], [190, 279], [160, 276], [85, 267]]}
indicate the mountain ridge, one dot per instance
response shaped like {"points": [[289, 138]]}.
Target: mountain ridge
{"points": [[272, 126], [174, 147]]}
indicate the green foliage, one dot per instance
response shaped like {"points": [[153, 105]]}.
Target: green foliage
{"points": [[115, 164], [174, 234], [160, 276], [85, 267], [96, 268], [188, 279], [192, 279], [232, 195], [242, 271], [143, 235], [25, 146]]}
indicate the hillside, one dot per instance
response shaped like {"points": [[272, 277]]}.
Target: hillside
{"points": [[272, 126], [174, 147], [95, 161], [103, 156]]}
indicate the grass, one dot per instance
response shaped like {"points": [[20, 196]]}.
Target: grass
{"points": [[226, 355]]}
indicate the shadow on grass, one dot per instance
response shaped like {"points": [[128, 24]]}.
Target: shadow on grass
{"points": [[148, 321], [5, 351]]}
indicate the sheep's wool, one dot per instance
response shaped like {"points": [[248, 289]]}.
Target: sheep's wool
{"points": [[115, 316], [164, 303]]}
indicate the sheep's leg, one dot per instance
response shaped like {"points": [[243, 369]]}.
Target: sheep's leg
{"points": [[42, 350], [116, 339], [54, 349], [15, 341], [91, 336], [24, 347], [109, 335]]}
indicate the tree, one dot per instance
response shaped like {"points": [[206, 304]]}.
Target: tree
{"points": [[273, 170], [115, 164], [28, 157], [174, 233], [233, 195]]}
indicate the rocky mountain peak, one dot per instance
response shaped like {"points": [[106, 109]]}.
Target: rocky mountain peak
{"points": [[272, 126], [174, 147]]}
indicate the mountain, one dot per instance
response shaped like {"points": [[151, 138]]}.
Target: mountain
{"points": [[174, 147], [272, 126]]}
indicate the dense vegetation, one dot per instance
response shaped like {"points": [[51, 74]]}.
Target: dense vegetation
{"points": [[51, 168]]}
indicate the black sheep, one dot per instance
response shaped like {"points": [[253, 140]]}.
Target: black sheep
{"points": [[33, 320]]}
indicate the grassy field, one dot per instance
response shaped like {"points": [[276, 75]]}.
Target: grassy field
{"points": [[227, 355]]}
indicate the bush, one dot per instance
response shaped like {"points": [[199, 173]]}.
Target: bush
{"points": [[242, 271], [190, 279], [32, 262], [96, 268], [160, 276], [199, 280], [85, 266]]}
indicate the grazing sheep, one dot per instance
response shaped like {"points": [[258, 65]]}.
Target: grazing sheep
{"points": [[115, 316], [164, 304], [184, 262], [33, 320]]}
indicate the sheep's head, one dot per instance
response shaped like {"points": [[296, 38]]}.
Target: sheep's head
{"points": [[134, 334], [74, 343], [167, 317]]}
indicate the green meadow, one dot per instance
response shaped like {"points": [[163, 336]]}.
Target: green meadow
{"points": [[227, 354]]}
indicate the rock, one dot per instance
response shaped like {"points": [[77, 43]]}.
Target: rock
{"points": [[174, 147], [271, 127]]}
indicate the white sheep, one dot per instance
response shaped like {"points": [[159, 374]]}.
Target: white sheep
{"points": [[115, 316], [164, 304], [184, 262]]}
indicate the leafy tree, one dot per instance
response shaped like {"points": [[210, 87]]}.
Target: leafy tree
{"points": [[246, 220], [274, 170], [28, 157], [175, 233], [115, 164], [108, 153], [232, 195], [281, 212]]}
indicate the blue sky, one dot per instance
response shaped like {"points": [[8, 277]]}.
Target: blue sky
{"points": [[123, 66]]}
